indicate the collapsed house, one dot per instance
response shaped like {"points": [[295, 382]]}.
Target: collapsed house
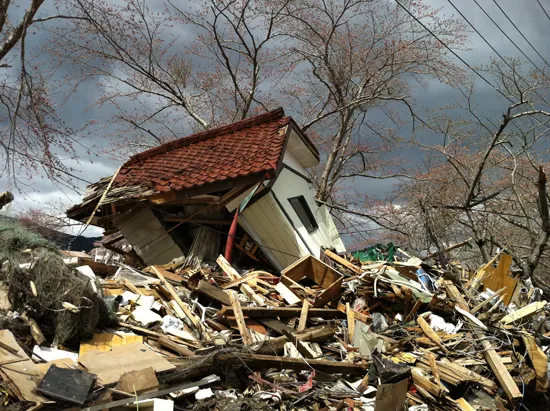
{"points": [[243, 185]]}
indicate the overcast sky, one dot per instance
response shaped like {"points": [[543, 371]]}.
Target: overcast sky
{"points": [[527, 15]]}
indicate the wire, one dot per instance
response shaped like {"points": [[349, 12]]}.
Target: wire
{"points": [[543, 9], [492, 48], [519, 31], [508, 37], [453, 52]]}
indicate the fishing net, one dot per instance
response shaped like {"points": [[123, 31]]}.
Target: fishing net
{"points": [[27, 258]]}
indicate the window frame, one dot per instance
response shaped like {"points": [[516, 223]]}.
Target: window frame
{"points": [[310, 224]]}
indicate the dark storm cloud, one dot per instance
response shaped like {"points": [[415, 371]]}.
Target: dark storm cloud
{"points": [[528, 16]]}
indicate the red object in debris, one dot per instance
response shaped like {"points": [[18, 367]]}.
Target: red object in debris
{"points": [[309, 384], [231, 237]]}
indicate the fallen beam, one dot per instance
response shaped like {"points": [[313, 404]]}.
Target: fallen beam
{"points": [[264, 312]]}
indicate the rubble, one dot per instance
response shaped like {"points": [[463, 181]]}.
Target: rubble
{"points": [[330, 332]]}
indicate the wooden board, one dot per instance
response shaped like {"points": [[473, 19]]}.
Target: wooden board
{"points": [[61, 363], [138, 381], [320, 273], [287, 294], [109, 366], [213, 292], [168, 275], [228, 268], [498, 278], [343, 261], [245, 334], [23, 374], [523, 312], [267, 312], [303, 316], [106, 341]]}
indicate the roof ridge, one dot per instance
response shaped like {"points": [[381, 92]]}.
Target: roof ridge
{"points": [[278, 113]]}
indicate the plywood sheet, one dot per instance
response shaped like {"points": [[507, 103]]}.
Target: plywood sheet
{"points": [[110, 365], [23, 374], [106, 341]]}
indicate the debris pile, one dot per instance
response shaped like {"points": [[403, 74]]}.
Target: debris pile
{"points": [[329, 333]]}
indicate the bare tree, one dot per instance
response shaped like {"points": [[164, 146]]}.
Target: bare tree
{"points": [[487, 180], [171, 69], [33, 135], [359, 60]]}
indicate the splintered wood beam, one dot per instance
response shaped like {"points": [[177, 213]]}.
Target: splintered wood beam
{"points": [[236, 305], [351, 322], [177, 298], [343, 261], [267, 312], [213, 292], [259, 361], [431, 334], [228, 268], [491, 356], [241, 280], [180, 349], [303, 316]]}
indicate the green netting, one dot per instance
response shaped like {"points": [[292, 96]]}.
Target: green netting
{"points": [[378, 252]]}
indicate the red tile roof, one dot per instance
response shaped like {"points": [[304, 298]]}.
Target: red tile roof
{"points": [[249, 147]]}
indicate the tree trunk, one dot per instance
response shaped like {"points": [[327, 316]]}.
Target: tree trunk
{"points": [[323, 191]]}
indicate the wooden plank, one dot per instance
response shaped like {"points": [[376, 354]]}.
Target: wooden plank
{"points": [[138, 381], [213, 292], [313, 334], [176, 297], [132, 287], [241, 280], [499, 278], [23, 373], [464, 405], [276, 325], [260, 361], [259, 299], [180, 349], [245, 334], [499, 369], [424, 383], [109, 366], [303, 316], [357, 315], [454, 295], [343, 261], [329, 294], [435, 371], [167, 274], [351, 322], [539, 361], [228, 268], [287, 294], [491, 356], [267, 312], [431, 334], [524, 312]]}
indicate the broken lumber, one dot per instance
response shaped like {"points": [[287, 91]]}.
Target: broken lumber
{"points": [[265, 312]]}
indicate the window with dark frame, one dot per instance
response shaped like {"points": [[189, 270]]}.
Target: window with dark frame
{"points": [[299, 204]]}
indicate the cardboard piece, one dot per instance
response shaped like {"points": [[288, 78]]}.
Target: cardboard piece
{"points": [[110, 365]]}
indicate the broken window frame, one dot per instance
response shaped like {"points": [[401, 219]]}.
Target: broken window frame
{"points": [[301, 208]]}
